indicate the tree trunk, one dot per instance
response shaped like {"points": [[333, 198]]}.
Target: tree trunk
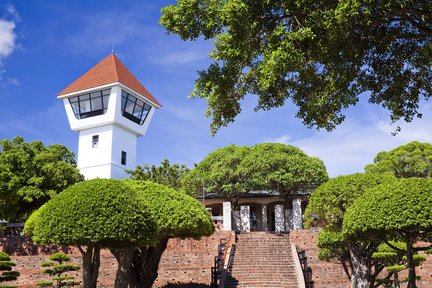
{"points": [[91, 263], [146, 264], [360, 277], [411, 264], [124, 271], [396, 280]]}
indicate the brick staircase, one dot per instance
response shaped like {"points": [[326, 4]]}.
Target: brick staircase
{"points": [[262, 259]]}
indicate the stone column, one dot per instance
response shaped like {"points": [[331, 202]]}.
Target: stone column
{"points": [[297, 214], [245, 218], [236, 218], [279, 218], [227, 216], [264, 218], [288, 219]]}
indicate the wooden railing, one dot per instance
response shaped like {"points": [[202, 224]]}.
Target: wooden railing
{"points": [[219, 260], [307, 271]]}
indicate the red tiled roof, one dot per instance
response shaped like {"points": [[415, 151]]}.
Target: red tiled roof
{"points": [[109, 70]]}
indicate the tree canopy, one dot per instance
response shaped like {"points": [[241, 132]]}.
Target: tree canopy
{"points": [[177, 215], [30, 174], [391, 211], [282, 168], [327, 209], [411, 160], [233, 170], [91, 215], [321, 55], [219, 172], [166, 173]]}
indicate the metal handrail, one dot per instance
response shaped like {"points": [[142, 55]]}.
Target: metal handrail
{"points": [[307, 271], [219, 261]]}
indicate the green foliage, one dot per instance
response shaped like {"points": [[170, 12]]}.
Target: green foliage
{"points": [[397, 210], [6, 270], [59, 257], [176, 214], [58, 270], [411, 160], [330, 201], [166, 173], [282, 168], [47, 264], [321, 55], [233, 170], [44, 284], [404, 205], [99, 211], [220, 172], [395, 268], [331, 245], [30, 174]]}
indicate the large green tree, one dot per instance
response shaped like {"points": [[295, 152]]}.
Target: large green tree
{"points": [[220, 172], [410, 160], [233, 170], [30, 174], [92, 215], [177, 215], [327, 207], [321, 55], [391, 211], [282, 168], [167, 173]]}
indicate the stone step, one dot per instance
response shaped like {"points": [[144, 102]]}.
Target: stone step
{"points": [[262, 260]]}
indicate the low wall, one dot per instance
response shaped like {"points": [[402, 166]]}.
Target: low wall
{"points": [[184, 261], [332, 275]]}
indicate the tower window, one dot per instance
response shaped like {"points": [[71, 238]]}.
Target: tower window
{"points": [[95, 141], [91, 104], [123, 157], [134, 109]]}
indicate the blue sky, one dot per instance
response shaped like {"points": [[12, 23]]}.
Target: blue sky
{"points": [[45, 45]]}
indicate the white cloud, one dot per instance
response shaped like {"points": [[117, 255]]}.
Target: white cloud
{"points": [[12, 81], [7, 38], [180, 57], [104, 32], [8, 42], [12, 13], [353, 145]]}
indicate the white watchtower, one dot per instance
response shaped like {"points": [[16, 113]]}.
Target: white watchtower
{"points": [[110, 109]]}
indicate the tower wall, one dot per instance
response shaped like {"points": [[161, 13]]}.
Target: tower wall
{"points": [[108, 122], [104, 158]]}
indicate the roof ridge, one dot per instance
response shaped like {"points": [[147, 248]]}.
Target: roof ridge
{"points": [[109, 70], [115, 59]]}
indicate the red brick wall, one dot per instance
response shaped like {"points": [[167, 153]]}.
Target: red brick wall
{"points": [[184, 261], [327, 274]]}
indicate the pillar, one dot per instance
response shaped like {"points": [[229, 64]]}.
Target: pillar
{"points": [[245, 218], [264, 218], [226, 206], [288, 219], [279, 218], [297, 214]]}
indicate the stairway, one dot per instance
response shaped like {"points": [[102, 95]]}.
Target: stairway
{"points": [[262, 259]]}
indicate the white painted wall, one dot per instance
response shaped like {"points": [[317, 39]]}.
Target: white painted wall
{"points": [[104, 161], [122, 140]]}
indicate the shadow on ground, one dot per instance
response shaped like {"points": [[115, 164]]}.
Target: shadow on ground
{"points": [[185, 285]]}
